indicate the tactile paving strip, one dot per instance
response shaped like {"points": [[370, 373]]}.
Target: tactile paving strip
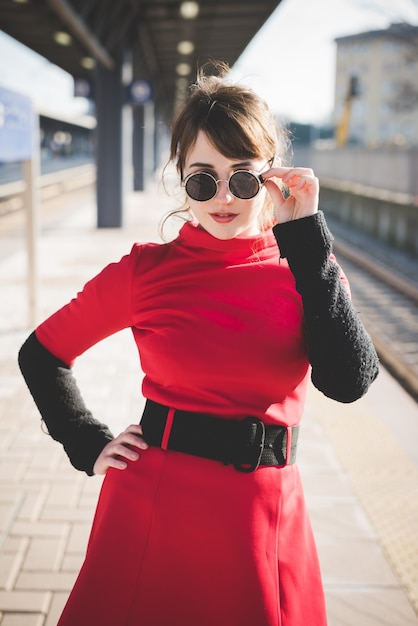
{"points": [[384, 478]]}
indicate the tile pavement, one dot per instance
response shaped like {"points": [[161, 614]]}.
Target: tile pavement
{"points": [[46, 507]]}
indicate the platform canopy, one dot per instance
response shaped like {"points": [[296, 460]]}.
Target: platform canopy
{"points": [[167, 39]]}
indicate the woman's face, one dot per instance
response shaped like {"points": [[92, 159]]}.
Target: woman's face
{"points": [[224, 216]]}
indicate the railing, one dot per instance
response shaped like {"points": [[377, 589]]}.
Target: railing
{"points": [[51, 185]]}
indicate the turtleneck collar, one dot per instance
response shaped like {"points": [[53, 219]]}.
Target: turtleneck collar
{"points": [[192, 235]]}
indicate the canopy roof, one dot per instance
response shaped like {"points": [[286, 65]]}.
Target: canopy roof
{"points": [[167, 39]]}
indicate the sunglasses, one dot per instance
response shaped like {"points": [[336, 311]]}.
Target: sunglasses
{"points": [[243, 184]]}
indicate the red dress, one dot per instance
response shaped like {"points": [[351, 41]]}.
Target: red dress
{"points": [[179, 540]]}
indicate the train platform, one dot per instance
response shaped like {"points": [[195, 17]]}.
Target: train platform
{"points": [[359, 462]]}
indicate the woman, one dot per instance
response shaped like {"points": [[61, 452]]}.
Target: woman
{"points": [[201, 518]]}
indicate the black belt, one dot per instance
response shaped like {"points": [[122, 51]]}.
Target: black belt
{"points": [[245, 444]]}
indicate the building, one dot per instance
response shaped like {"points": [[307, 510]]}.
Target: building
{"points": [[376, 87]]}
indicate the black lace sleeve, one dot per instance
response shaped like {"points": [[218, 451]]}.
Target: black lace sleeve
{"points": [[343, 358], [54, 389]]}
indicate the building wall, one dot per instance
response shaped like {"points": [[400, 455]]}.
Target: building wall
{"points": [[379, 61], [392, 222], [384, 171]]}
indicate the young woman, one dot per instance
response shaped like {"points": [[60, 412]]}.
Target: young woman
{"points": [[201, 518]]}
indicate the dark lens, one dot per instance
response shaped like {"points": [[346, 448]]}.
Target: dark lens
{"points": [[201, 187], [244, 185]]}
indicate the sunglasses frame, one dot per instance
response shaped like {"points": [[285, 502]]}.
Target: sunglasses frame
{"points": [[258, 177]]}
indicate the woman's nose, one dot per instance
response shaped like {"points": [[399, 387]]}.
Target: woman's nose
{"points": [[224, 194]]}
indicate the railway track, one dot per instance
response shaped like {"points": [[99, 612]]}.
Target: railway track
{"points": [[388, 305]]}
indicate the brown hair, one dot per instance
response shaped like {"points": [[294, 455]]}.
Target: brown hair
{"points": [[235, 119]]}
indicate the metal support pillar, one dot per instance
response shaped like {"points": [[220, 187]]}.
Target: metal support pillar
{"points": [[138, 147], [108, 92], [143, 144]]}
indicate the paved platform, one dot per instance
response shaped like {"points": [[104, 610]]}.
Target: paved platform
{"points": [[359, 462]]}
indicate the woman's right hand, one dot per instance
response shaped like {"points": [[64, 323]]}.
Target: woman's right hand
{"points": [[119, 449], [302, 186]]}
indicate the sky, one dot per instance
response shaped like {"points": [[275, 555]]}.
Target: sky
{"points": [[290, 62]]}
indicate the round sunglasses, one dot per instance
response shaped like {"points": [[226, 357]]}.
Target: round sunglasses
{"points": [[243, 184]]}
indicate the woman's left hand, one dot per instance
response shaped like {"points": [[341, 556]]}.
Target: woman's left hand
{"points": [[303, 189]]}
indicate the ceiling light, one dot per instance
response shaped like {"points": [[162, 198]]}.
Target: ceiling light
{"points": [[21, 1], [183, 69], [88, 63], [189, 10], [185, 47], [63, 38]]}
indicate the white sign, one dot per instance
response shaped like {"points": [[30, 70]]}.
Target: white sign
{"points": [[17, 127]]}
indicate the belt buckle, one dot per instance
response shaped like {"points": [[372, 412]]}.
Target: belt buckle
{"points": [[257, 446]]}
